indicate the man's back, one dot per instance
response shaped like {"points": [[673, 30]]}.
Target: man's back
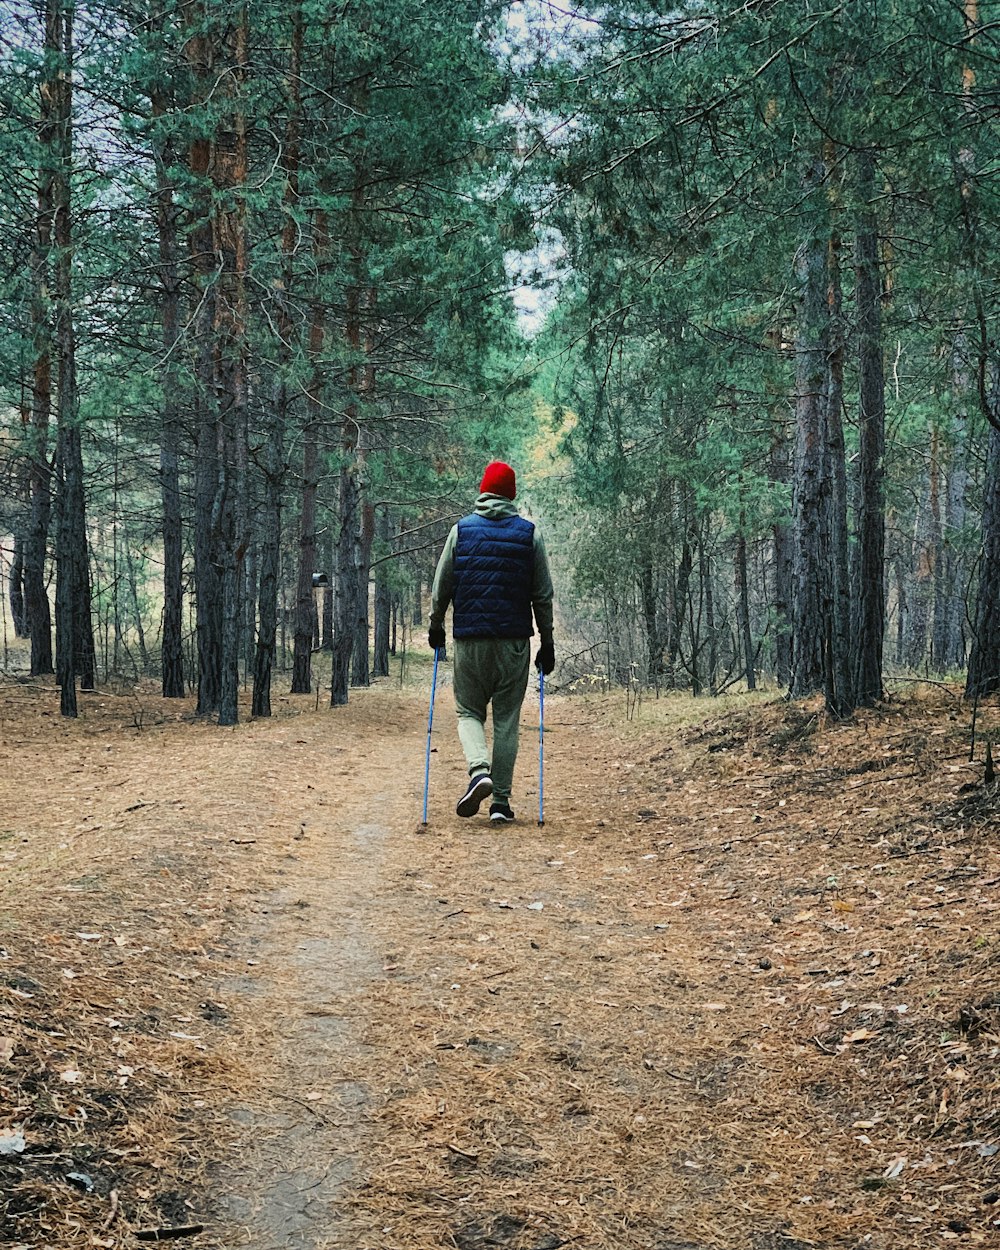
{"points": [[493, 565], [495, 572]]}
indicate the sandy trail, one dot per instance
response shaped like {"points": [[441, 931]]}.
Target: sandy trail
{"points": [[702, 1009], [322, 940]]}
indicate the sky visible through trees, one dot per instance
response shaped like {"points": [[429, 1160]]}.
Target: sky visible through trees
{"points": [[719, 278]]}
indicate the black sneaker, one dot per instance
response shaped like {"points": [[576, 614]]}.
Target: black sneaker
{"points": [[480, 787], [501, 813]]}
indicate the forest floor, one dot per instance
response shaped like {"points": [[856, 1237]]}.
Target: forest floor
{"points": [[740, 992]]}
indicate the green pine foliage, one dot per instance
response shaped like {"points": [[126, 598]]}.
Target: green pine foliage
{"points": [[650, 164], [673, 145]]}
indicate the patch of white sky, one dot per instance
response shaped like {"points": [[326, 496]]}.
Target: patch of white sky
{"points": [[104, 153], [537, 35], [107, 163], [18, 19]]}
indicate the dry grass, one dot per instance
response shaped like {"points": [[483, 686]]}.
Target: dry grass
{"points": [[756, 1008]]}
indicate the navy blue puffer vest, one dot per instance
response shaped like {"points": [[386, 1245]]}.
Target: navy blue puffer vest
{"points": [[494, 562]]}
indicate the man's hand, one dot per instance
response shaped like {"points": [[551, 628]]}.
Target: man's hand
{"points": [[436, 638], [546, 657]]}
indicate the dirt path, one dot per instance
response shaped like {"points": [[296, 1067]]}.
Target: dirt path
{"points": [[316, 953], [716, 1004]]}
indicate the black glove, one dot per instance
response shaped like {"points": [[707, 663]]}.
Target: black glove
{"points": [[436, 638], [546, 657]]}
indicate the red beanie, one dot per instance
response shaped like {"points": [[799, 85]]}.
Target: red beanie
{"points": [[498, 480]]}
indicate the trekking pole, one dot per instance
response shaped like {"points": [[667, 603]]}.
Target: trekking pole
{"points": [[541, 748], [430, 726]]}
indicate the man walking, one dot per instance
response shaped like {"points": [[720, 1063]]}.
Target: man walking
{"points": [[495, 572]]}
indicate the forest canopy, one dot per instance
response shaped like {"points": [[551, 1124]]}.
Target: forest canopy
{"points": [[720, 278]]}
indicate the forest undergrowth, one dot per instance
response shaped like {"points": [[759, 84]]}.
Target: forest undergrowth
{"points": [[739, 993]]}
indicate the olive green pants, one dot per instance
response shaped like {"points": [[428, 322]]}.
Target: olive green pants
{"points": [[491, 670]]}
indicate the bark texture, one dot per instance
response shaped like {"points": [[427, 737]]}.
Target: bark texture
{"points": [[869, 566], [229, 174], [199, 53], [305, 599], [38, 616], [984, 659], [383, 598], [810, 498], [75, 658], [277, 418], [172, 649]]}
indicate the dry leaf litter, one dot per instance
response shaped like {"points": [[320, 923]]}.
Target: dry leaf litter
{"points": [[740, 993]]}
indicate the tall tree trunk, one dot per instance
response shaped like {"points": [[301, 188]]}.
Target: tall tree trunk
{"points": [[65, 538], [327, 563], [270, 553], [229, 173], [36, 597], [355, 530], [417, 613], [647, 603], [348, 609], [361, 674], [947, 645], [74, 629], [23, 494], [349, 505], [984, 659], [345, 579], [251, 572], [743, 605], [305, 599], [938, 615], [695, 638], [360, 669], [200, 56], [207, 570], [869, 569], [682, 512], [679, 599], [949, 614], [705, 576], [951, 652], [781, 543], [810, 495], [983, 677], [948, 649], [277, 419], [172, 648], [902, 608], [67, 483], [924, 560], [16, 588], [839, 686], [133, 586], [383, 597]]}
